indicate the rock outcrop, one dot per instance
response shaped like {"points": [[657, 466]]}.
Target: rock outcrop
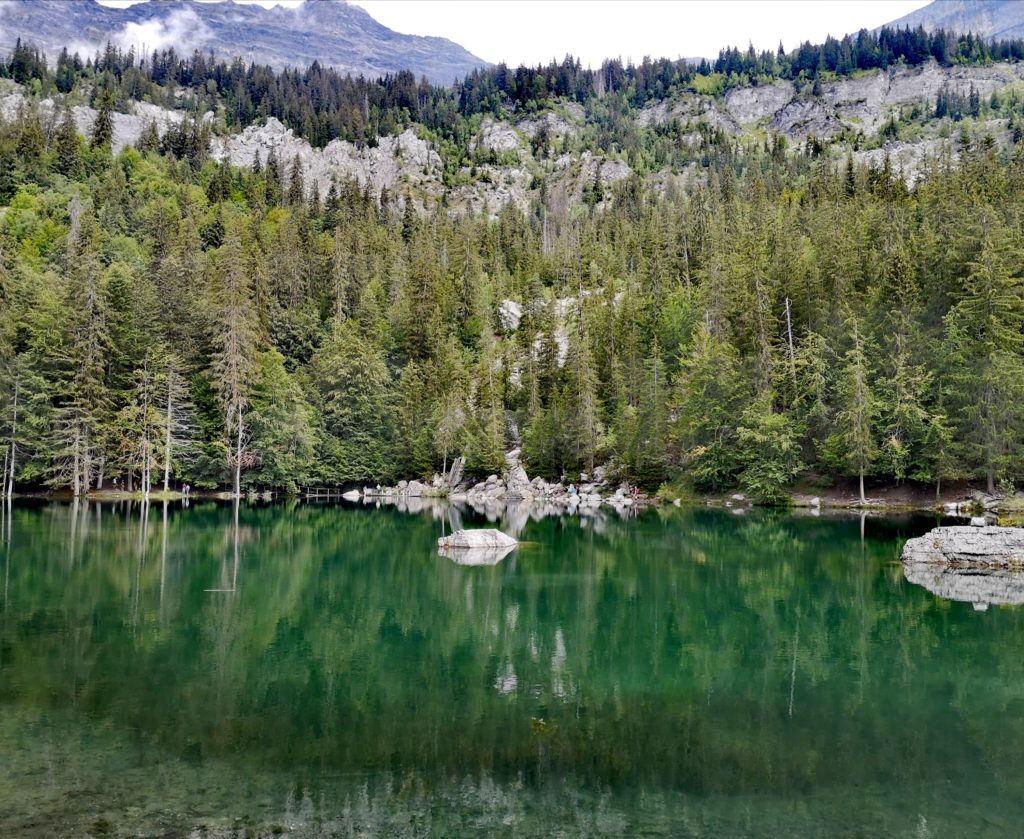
{"points": [[127, 128], [967, 547], [405, 158]]}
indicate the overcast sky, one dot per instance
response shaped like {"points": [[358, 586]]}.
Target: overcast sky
{"points": [[534, 31]]}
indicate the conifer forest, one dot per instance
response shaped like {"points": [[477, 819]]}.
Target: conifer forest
{"points": [[791, 315]]}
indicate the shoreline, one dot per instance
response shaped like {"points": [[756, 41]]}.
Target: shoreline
{"points": [[1004, 509]]}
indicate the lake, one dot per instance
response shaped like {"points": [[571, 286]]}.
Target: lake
{"points": [[320, 670]]}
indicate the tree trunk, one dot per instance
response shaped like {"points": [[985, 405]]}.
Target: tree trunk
{"points": [[8, 475], [792, 353], [76, 479], [167, 440], [238, 457], [146, 454], [863, 500], [991, 479]]}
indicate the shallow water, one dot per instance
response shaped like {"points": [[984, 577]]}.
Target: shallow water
{"points": [[320, 670]]}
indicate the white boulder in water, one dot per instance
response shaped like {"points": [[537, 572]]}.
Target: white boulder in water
{"points": [[985, 547], [476, 547], [476, 539]]}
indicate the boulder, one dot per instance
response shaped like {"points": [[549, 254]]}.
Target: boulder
{"points": [[351, 495], [474, 539], [414, 489], [454, 477], [510, 314], [982, 547], [516, 479]]}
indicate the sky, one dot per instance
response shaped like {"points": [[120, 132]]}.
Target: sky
{"points": [[535, 31]]}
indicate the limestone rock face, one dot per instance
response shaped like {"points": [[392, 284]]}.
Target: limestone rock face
{"points": [[404, 158], [510, 314], [980, 547], [752, 104], [127, 128]]}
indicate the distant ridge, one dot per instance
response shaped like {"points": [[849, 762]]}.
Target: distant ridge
{"points": [[993, 19], [332, 32]]}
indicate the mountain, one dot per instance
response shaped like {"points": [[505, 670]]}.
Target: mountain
{"points": [[995, 19], [332, 32]]}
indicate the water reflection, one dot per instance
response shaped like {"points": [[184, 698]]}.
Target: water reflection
{"points": [[476, 556], [980, 587], [684, 672]]}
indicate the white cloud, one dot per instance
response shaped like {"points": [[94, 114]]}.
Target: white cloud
{"points": [[181, 29]]}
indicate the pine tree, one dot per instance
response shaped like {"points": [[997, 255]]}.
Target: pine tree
{"points": [[69, 158], [281, 424], [710, 393], [354, 398], [83, 401], [770, 451], [234, 342], [854, 443], [103, 126], [984, 341]]}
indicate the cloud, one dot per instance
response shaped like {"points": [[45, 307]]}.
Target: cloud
{"points": [[181, 29]]}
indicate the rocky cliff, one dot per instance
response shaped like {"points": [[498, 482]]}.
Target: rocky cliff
{"points": [[548, 153], [988, 18]]}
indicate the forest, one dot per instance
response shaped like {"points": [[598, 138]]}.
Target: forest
{"points": [[321, 105], [165, 318]]}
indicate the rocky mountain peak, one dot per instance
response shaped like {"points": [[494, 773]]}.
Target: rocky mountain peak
{"points": [[332, 32]]}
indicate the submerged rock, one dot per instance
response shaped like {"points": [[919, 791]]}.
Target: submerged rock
{"points": [[981, 547]]}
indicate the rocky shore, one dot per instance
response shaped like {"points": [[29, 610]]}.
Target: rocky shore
{"points": [[514, 485]]}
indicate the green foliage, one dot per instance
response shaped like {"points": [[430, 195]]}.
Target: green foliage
{"points": [[780, 311], [769, 451], [352, 393], [281, 426], [711, 392]]}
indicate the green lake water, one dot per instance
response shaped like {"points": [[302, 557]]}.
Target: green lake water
{"points": [[322, 671]]}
